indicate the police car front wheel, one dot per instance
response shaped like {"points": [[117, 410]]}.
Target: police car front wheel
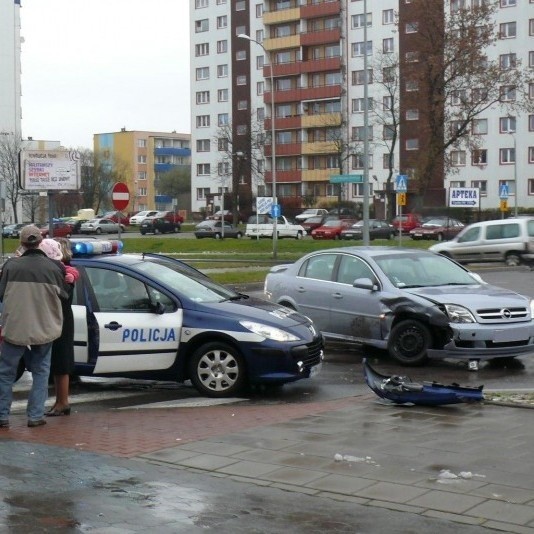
{"points": [[217, 369]]}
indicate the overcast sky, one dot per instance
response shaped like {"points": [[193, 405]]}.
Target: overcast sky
{"points": [[96, 66]]}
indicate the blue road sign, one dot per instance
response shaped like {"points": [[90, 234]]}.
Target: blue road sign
{"points": [[401, 183], [275, 210], [503, 192]]}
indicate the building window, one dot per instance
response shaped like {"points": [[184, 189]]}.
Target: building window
{"points": [[222, 119], [222, 71], [283, 110], [259, 11], [411, 57], [458, 158], [385, 160], [387, 132], [358, 77], [241, 129], [480, 126], [202, 193], [388, 16], [479, 157], [241, 29], [411, 86], [260, 114], [358, 161], [531, 59], [412, 144], [240, 6], [259, 36], [222, 22], [141, 159], [508, 30], [141, 143], [387, 103], [508, 93], [508, 3], [358, 21], [202, 49], [531, 27], [357, 189], [222, 144], [141, 175], [203, 121], [241, 55], [222, 46], [507, 124], [358, 133], [506, 156], [203, 97], [508, 61], [260, 88], [387, 45], [203, 73], [333, 78], [412, 114], [222, 95], [482, 186], [242, 104], [203, 169], [411, 27], [531, 154], [388, 74], [203, 145], [358, 104], [241, 80], [202, 25], [201, 3], [458, 97], [358, 49], [260, 61]]}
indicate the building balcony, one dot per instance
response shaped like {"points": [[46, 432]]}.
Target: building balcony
{"points": [[293, 175], [318, 175], [283, 123], [320, 37], [304, 93], [321, 120], [284, 149], [291, 68], [163, 167], [319, 147], [313, 10], [319, 65], [168, 151], [283, 15], [280, 43]]}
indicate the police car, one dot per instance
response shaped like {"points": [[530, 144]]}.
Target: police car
{"points": [[151, 316]]}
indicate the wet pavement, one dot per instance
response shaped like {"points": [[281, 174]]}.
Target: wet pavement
{"points": [[345, 465]]}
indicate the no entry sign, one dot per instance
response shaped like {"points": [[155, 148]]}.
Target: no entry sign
{"points": [[120, 196]]}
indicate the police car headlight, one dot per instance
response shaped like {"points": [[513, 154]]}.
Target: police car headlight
{"points": [[269, 332], [459, 314]]}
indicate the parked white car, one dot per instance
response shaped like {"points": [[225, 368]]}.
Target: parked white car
{"points": [[138, 218], [100, 226], [311, 212]]}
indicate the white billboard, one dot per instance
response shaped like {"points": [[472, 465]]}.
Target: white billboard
{"points": [[49, 170], [465, 197]]}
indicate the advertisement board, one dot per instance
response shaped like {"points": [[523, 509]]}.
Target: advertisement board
{"points": [[49, 170]]}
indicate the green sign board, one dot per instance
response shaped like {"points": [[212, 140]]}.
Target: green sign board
{"points": [[346, 178]]}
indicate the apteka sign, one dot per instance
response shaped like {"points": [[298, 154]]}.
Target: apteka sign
{"points": [[49, 170], [465, 197]]}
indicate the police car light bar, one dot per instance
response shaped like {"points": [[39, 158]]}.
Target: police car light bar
{"points": [[91, 248]]}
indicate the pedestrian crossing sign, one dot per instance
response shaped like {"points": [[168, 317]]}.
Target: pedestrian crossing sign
{"points": [[401, 183]]}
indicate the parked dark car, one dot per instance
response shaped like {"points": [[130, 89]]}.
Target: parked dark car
{"points": [[117, 216], [6, 230], [158, 225], [342, 213], [215, 229], [438, 228], [15, 231], [378, 229]]}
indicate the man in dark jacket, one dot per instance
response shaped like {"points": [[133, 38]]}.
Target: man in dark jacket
{"points": [[31, 289]]}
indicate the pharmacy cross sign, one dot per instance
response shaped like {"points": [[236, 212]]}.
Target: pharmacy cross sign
{"points": [[120, 196]]}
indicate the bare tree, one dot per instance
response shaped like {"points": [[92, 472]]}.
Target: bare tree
{"points": [[10, 147], [456, 80]]}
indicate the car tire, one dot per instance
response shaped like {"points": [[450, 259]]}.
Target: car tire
{"points": [[239, 235], [98, 231], [217, 369], [299, 235], [143, 233], [513, 260], [217, 236], [409, 341], [440, 237]]}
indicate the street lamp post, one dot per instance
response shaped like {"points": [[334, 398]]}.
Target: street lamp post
{"points": [[273, 140], [516, 192]]}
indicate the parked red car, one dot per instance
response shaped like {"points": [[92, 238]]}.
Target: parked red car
{"points": [[117, 216], [170, 216], [331, 229], [409, 221], [60, 229]]}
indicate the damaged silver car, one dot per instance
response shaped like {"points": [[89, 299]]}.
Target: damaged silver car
{"points": [[415, 304]]}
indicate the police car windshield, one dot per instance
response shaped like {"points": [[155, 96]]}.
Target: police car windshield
{"points": [[186, 282]]}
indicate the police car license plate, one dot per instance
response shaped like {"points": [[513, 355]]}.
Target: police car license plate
{"points": [[315, 370]]}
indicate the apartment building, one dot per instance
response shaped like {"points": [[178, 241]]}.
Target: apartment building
{"points": [[139, 157], [303, 65]]}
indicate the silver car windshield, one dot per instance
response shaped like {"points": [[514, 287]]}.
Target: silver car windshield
{"points": [[188, 283], [423, 270]]}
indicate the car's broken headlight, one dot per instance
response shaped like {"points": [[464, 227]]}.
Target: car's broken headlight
{"points": [[269, 332], [459, 314]]}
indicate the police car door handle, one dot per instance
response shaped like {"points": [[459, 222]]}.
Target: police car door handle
{"points": [[114, 325]]}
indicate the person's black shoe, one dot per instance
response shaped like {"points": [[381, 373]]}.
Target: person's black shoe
{"points": [[36, 422]]}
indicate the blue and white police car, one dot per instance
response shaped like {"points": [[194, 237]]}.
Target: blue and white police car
{"points": [[150, 316]]}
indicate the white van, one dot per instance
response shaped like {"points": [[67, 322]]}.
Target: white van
{"points": [[506, 240]]}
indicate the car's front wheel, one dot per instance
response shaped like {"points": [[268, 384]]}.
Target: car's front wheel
{"points": [[98, 231], [299, 235], [409, 341], [513, 260], [216, 369]]}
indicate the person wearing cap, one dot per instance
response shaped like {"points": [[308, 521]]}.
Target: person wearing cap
{"points": [[32, 288]]}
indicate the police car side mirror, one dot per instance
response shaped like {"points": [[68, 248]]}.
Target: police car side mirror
{"points": [[158, 308]]}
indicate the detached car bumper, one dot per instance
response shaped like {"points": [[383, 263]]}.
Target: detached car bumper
{"points": [[487, 341]]}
